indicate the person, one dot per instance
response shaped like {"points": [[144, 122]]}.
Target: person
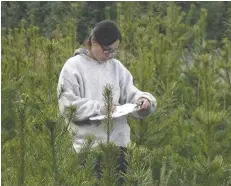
{"points": [[83, 78]]}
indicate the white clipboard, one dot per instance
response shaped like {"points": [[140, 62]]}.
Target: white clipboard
{"points": [[121, 110]]}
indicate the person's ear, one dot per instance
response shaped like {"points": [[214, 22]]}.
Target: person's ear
{"points": [[93, 41]]}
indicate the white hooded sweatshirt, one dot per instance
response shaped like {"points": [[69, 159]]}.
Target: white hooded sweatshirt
{"points": [[83, 80]]}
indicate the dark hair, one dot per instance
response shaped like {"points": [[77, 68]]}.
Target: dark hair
{"points": [[105, 33]]}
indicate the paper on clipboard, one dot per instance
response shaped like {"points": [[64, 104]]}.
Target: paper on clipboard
{"points": [[121, 110]]}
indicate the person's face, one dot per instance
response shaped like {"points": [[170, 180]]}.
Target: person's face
{"points": [[103, 53]]}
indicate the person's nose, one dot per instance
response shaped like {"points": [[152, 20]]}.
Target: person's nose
{"points": [[107, 56]]}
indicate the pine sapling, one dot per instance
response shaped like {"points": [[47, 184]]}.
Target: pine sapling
{"points": [[108, 106]]}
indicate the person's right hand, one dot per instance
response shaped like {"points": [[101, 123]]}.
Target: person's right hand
{"points": [[144, 103]]}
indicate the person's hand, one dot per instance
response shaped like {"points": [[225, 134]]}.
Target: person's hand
{"points": [[144, 103], [113, 108]]}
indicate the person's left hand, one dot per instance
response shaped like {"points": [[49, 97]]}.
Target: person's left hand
{"points": [[144, 103]]}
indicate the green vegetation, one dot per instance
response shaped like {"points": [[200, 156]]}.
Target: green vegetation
{"points": [[180, 52]]}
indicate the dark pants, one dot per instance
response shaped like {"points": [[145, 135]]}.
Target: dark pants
{"points": [[121, 162]]}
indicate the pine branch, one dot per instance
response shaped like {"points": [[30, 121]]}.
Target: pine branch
{"points": [[22, 145], [51, 126], [108, 106]]}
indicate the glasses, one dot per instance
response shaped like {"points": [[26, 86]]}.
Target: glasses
{"points": [[109, 52]]}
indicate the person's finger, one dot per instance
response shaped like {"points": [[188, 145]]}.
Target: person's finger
{"points": [[113, 108], [145, 104], [142, 105]]}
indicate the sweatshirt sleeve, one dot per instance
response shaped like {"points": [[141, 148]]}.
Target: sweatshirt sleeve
{"points": [[69, 86], [130, 94]]}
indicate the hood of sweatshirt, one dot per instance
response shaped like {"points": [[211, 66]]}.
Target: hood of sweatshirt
{"points": [[84, 51], [80, 51]]}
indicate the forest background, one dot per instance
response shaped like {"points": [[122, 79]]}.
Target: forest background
{"points": [[178, 51]]}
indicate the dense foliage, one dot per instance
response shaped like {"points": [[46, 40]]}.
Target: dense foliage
{"points": [[176, 51], [48, 14]]}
